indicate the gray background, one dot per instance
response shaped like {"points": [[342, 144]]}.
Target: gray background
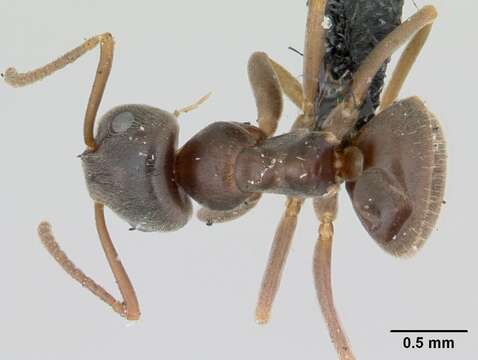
{"points": [[198, 286]]}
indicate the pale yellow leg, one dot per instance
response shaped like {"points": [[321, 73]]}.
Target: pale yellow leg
{"points": [[267, 92], [278, 255], [313, 54], [267, 79], [314, 50], [342, 119], [326, 210], [400, 73], [289, 84]]}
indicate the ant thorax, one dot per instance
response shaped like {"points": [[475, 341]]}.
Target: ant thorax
{"points": [[300, 163], [226, 163]]}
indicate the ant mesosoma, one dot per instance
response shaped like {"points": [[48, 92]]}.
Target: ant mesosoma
{"points": [[393, 160]]}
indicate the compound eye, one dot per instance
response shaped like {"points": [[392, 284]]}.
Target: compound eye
{"points": [[122, 122]]}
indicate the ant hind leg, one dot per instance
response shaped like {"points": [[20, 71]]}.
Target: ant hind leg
{"points": [[343, 118], [326, 210], [400, 73]]}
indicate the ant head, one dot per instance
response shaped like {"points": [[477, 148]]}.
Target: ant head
{"points": [[132, 169]]}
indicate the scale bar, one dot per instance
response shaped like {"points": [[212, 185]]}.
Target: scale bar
{"points": [[428, 331]]}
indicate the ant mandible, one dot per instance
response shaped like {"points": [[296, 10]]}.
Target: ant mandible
{"points": [[393, 165]]}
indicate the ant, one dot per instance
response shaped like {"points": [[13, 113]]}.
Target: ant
{"points": [[390, 154]]}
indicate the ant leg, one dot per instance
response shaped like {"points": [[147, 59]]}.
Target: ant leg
{"points": [[106, 42], [342, 119], [326, 210], [293, 89], [289, 84], [421, 19], [313, 55], [129, 308], [267, 78], [267, 92], [400, 73], [277, 257]]}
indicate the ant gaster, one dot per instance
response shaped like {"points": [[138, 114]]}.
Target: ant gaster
{"points": [[393, 163]]}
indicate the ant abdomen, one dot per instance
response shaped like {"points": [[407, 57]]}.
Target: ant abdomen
{"points": [[206, 165], [132, 169], [399, 194]]}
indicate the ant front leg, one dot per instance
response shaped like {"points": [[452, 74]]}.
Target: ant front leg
{"points": [[289, 84], [268, 80], [128, 308], [268, 96], [267, 92]]}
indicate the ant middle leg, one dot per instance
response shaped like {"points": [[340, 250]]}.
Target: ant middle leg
{"points": [[313, 55]]}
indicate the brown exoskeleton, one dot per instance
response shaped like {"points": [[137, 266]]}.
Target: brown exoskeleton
{"points": [[392, 160]]}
